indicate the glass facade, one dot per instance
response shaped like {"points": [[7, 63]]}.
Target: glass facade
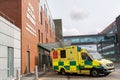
{"points": [[106, 47], [91, 39], [106, 43], [111, 51]]}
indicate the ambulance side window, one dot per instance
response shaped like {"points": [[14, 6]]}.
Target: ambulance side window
{"points": [[85, 57], [63, 53]]}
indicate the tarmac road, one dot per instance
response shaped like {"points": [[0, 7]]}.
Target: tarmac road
{"points": [[54, 76]]}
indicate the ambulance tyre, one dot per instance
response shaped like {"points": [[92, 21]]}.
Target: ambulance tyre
{"points": [[94, 72], [62, 71]]}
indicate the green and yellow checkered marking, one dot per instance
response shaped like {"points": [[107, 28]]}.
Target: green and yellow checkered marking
{"points": [[72, 65]]}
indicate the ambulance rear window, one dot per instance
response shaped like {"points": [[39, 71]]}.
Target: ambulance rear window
{"points": [[63, 53]]}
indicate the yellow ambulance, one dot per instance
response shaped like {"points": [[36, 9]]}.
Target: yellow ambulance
{"points": [[74, 59]]}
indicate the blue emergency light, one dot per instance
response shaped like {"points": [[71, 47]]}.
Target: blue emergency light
{"points": [[79, 48]]}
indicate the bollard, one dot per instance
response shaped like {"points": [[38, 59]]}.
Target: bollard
{"points": [[18, 74], [36, 72], [44, 68], [49, 66]]}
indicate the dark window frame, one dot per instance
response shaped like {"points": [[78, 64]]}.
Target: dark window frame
{"points": [[39, 36], [85, 57], [41, 16], [63, 53], [42, 37]]}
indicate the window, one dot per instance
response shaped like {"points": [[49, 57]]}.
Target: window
{"points": [[50, 20], [41, 16], [109, 52], [10, 64], [46, 40], [63, 54], [42, 37], [45, 9], [46, 26], [108, 47], [85, 57], [115, 30], [39, 36], [50, 33]]}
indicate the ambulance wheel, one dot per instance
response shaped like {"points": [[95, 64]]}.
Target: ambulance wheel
{"points": [[62, 71], [94, 73]]}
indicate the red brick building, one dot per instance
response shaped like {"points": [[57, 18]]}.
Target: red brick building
{"points": [[36, 24]]}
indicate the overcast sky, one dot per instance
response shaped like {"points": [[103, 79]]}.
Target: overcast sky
{"points": [[84, 17]]}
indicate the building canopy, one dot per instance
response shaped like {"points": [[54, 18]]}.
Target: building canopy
{"points": [[49, 46]]}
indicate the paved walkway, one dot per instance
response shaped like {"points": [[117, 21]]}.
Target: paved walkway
{"points": [[32, 75], [117, 65]]}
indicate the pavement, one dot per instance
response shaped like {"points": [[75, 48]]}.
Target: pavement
{"points": [[31, 76], [117, 65]]}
